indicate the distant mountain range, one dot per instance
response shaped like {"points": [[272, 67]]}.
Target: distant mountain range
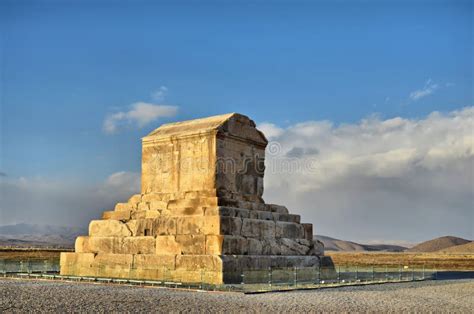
{"points": [[447, 244], [332, 244], [438, 244], [33, 235]]}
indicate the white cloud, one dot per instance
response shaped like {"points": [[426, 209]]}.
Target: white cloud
{"points": [[378, 178], [139, 115], [160, 93], [427, 90], [270, 130]]}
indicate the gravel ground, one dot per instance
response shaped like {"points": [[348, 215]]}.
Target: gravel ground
{"points": [[20, 295]]}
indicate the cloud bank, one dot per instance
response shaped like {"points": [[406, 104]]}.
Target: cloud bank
{"points": [[62, 202], [398, 179]]}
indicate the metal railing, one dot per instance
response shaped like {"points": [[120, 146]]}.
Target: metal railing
{"points": [[271, 279]]}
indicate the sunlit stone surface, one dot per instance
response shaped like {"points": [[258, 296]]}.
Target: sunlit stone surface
{"points": [[200, 215]]}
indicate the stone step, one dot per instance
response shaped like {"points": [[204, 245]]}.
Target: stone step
{"points": [[200, 225], [196, 245], [226, 211], [180, 268]]}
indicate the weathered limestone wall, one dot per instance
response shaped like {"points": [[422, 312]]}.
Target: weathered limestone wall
{"points": [[200, 216], [176, 166]]}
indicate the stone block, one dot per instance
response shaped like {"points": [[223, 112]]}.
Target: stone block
{"points": [[292, 247], [289, 230], [123, 206], [317, 248], [256, 228], [211, 211], [158, 205], [164, 226], [81, 245], [138, 214], [135, 199], [153, 261], [255, 246], [165, 212], [113, 260], [152, 226], [229, 226], [117, 215], [143, 206], [211, 225], [199, 262], [239, 263], [68, 258], [76, 264], [253, 214], [189, 225], [138, 245], [167, 245], [104, 244], [248, 184], [188, 211], [308, 231], [214, 244], [108, 228], [294, 218], [192, 244], [265, 215], [242, 213], [152, 213], [278, 209], [208, 201], [271, 247], [226, 244]]}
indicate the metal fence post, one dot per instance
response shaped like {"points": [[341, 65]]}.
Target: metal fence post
{"points": [[270, 277], [3, 268], [357, 272], [319, 273], [45, 266], [373, 273], [399, 272], [295, 276], [413, 273], [423, 272], [200, 286]]}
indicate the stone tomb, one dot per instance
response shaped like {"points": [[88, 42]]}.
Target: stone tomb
{"points": [[200, 216]]}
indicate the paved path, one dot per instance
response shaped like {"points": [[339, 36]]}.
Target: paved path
{"points": [[19, 295]]}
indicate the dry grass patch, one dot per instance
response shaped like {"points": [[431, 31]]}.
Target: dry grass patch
{"points": [[29, 255], [440, 261]]}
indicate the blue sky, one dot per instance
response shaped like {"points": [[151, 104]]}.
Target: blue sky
{"points": [[68, 65]]}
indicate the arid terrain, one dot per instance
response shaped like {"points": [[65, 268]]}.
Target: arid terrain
{"points": [[20, 254], [47, 296], [435, 260]]}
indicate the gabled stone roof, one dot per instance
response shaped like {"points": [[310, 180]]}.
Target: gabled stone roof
{"points": [[232, 124]]}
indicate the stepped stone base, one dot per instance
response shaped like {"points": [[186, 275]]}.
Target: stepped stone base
{"points": [[200, 216], [206, 243], [212, 269]]}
